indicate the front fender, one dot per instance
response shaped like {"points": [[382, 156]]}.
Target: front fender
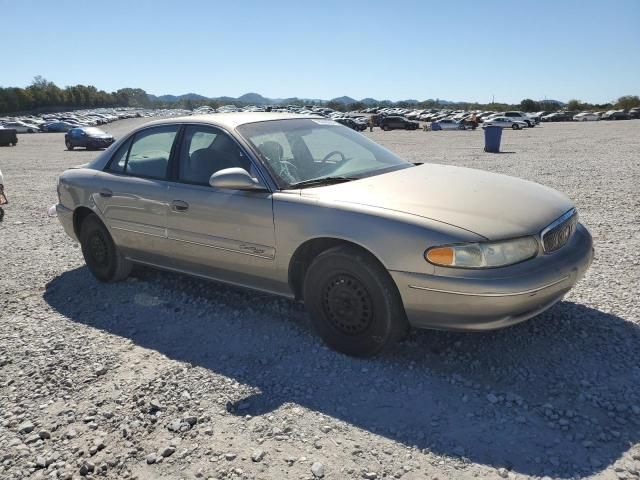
{"points": [[398, 240]]}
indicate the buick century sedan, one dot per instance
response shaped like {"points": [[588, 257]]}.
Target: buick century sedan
{"points": [[306, 208]]}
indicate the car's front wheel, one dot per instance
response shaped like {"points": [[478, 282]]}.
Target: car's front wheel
{"points": [[515, 126], [69, 144], [102, 256], [354, 305], [385, 128]]}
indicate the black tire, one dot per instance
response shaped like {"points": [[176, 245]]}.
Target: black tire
{"points": [[385, 128], [1, 214], [528, 124], [101, 255], [354, 305], [515, 126], [69, 144]]}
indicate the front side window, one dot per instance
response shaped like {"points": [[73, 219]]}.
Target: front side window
{"points": [[205, 151], [147, 155], [300, 150]]}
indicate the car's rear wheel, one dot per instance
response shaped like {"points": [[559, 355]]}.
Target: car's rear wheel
{"points": [[354, 305], [385, 128], [102, 256], [68, 144]]}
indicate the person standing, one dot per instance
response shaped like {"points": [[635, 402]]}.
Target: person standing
{"points": [[3, 198], [371, 123]]}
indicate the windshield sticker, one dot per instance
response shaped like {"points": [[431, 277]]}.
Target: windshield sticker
{"points": [[324, 122]]}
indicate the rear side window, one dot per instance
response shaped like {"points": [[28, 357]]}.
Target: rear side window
{"points": [[119, 158], [147, 155]]}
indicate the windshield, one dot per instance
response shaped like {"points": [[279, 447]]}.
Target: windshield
{"points": [[299, 150]]}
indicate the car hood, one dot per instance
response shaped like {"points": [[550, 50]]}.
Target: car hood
{"points": [[491, 205]]}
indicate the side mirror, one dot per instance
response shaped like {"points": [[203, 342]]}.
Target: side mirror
{"points": [[234, 179]]}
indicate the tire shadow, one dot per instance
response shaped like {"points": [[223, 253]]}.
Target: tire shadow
{"points": [[561, 386]]}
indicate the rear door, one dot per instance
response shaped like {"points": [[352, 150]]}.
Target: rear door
{"points": [[221, 233], [132, 193]]}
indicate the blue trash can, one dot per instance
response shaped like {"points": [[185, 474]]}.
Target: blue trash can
{"points": [[492, 137]]}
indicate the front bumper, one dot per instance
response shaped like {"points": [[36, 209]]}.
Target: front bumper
{"points": [[65, 215], [494, 298]]}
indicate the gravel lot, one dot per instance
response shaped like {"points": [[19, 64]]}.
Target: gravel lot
{"points": [[164, 376]]}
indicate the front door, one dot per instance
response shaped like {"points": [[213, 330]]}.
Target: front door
{"points": [[132, 193], [221, 233]]}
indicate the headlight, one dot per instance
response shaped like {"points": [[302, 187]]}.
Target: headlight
{"points": [[483, 255]]}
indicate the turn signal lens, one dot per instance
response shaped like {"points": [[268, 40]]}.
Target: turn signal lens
{"points": [[441, 255], [484, 254]]}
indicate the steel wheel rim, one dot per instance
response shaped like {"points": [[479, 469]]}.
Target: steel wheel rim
{"points": [[98, 249], [347, 304]]}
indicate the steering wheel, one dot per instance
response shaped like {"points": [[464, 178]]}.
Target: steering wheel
{"points": [[288, 171], [331, 154]]}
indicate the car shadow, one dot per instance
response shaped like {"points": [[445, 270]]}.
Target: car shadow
{"points": [[84, 149], [537, 398]]}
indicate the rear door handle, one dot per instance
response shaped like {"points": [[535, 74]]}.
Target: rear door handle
{"points": [[106, 193], [179, 206]]}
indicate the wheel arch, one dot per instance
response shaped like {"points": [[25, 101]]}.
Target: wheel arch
{"points": [[79, 215], [309, 250]]}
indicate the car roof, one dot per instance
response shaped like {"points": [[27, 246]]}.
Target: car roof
{"points": [[232, 120]]}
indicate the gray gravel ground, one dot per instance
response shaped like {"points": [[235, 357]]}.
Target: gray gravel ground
{"points": [[165, 376]]}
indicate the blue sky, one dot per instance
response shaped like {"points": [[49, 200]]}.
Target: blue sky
{"points": [[455, 50]]}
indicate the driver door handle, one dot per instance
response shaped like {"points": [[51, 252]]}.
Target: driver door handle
{"points": [[179, 206], [106, 193]]}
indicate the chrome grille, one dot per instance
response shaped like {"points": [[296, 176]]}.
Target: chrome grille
{"points": [[556, 235]]}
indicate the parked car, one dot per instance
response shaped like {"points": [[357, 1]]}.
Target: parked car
{"points": [[519, 116], [616, 115], [348, 122], [305, 208], [586, 117], [58, 127], [21, 127], [447, 124], [396, 122], [557, 117], [504, 122], [8, 137], [89, 137], [634, 112]]}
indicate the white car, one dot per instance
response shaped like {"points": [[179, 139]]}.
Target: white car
{"points": [[514, 115], [504, 122], [21, 127], [586, 117], [447, 124]]}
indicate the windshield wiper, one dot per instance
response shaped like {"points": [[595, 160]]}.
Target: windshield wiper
{"points": [[321, 181]]}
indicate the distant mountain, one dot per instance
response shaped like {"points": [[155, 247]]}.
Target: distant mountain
{"points": [[253, 98], [344, 100], [370, 101], [177, 98], [556, 102]]}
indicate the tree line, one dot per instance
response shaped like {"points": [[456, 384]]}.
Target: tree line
{"points": [[43, 95], [526, 105]]}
